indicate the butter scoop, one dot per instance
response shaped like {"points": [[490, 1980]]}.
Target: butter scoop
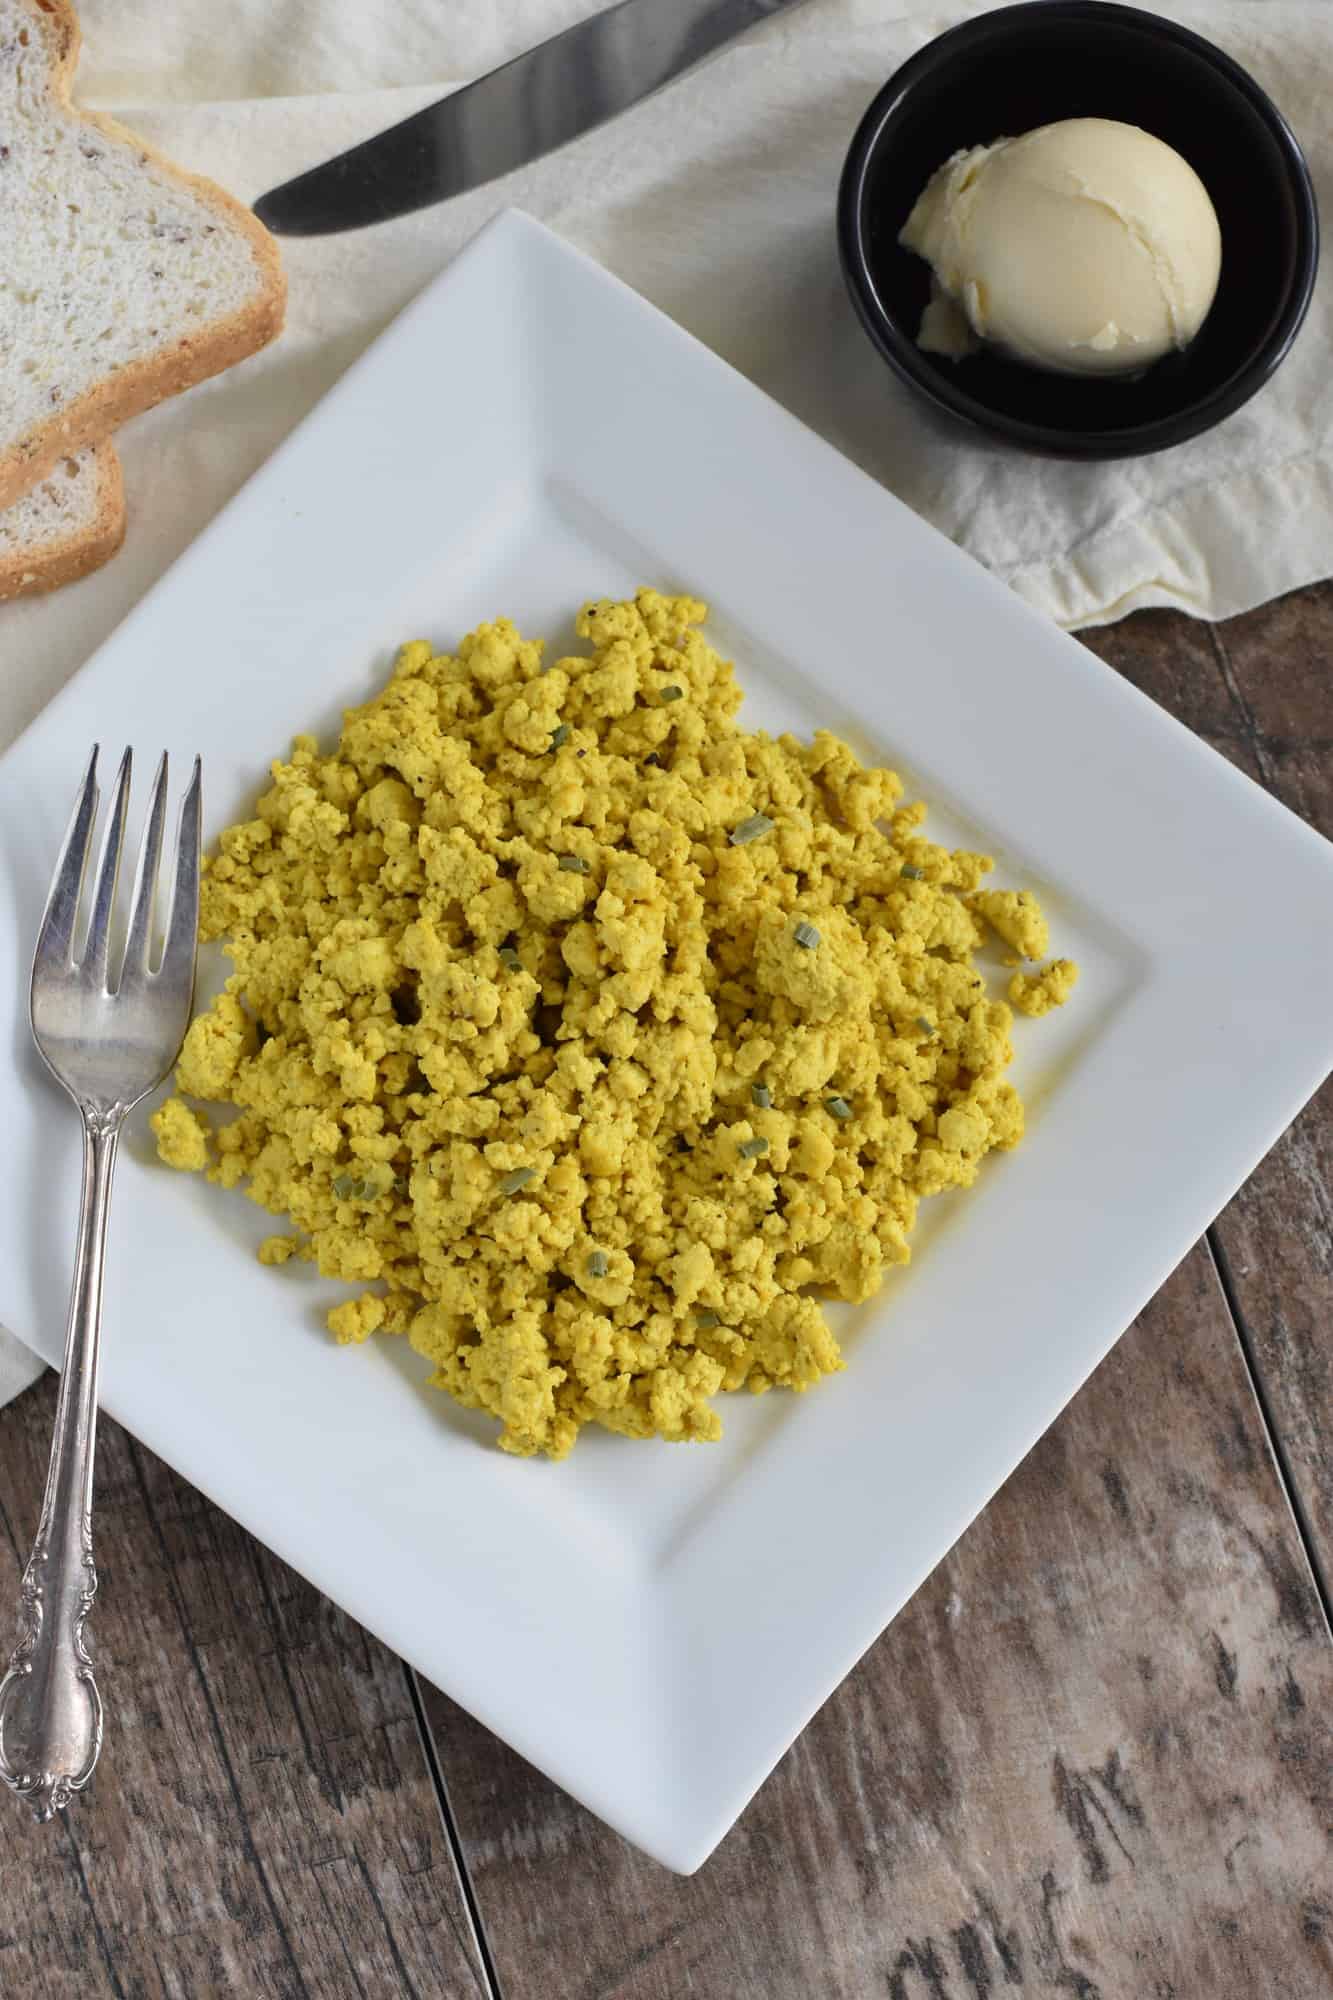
{"points": [[1087, 247]]}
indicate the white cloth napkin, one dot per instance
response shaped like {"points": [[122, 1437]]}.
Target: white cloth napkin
{"points": [[715, 199]]}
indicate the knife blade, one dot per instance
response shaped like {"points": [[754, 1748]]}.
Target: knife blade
{"points": [[539, 101]]}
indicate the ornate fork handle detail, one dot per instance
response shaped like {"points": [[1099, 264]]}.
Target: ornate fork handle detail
{"points": [[50, 1710], [108, 1035]]}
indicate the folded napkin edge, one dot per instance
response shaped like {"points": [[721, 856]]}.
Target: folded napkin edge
{"points": [[1194, 551]]}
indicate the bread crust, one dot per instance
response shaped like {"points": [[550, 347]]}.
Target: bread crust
{"points": [[194, 357], [25, 574]]}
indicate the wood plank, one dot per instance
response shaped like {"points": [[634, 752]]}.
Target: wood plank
{"points": [[1260, 688], [263, 1822], [1093, 1755]]}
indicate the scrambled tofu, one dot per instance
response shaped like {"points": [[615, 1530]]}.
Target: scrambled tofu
{"points": [[1037, 992], [182, 1136], [1015, 915], [593, 1039]]}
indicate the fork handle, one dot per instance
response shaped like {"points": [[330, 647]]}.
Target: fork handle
{"points": [[50, 1710]]}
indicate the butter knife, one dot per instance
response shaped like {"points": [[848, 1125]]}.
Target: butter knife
{"points": [[539, 101]]}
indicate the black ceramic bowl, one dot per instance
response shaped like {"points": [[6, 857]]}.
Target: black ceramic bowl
{"points": [[1007, 71]]}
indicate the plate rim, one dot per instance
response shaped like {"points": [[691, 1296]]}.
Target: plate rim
{"points": [[685, 1832]]}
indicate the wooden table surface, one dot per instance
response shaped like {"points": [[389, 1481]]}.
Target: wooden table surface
{"points": [[1093, 1757]]}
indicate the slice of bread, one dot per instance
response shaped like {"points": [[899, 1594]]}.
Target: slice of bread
{"points": [[70, 522], [122, 279]]}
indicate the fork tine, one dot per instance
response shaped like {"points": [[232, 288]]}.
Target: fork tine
{"points": [[178, 953], [108, 869], [55, 939], [139, 942]]}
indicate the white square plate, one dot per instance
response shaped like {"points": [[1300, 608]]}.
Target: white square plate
{"points": [[653, 1625]]}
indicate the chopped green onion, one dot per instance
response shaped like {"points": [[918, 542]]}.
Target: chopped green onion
{"points": [[761, 1095], [573, 864], [361, 1187], [508, 956], [598, 1264], [707, 1319], [926, 1027], [518, 1179], [672, 693], [910, 872], [753, 828], [754, 1149], [559, 735], [806, 936], [839, 1107]]}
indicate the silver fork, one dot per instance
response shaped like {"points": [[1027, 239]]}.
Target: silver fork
{"points": [[109, 1042]]}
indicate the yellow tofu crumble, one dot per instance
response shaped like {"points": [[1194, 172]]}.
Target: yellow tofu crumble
{"points": [[182, 1136], [1037, 992], [595, 1039]]}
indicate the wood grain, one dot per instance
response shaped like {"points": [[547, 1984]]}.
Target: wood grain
{"points": [[1260, 689], [263, 1822], [1091, 1757]]}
